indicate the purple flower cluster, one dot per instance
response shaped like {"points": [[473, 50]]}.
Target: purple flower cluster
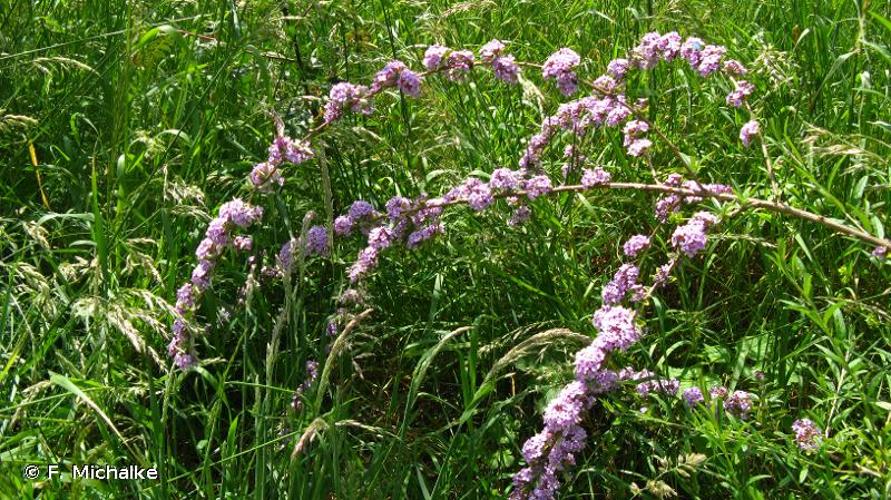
{"points": [[734, 67], [807, 434], [623, 281], [503, 65], [634, 142], [635, 245], [577, 116], [218, 236], [312, 373], [693, 396], [748, 131], [538, 186], [315, 242], [654, 47], [283, 148], [357, 98], [618, 68], [347, 96], [550, 451], [596, 177], [456, 63], [743, 90], [560, 66], [265, 175], [397, 74], [690, 238], [553, 449], [706, 59], [738, 404], [650, 383]]}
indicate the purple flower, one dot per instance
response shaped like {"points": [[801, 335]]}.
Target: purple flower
{"points": [[421, 235], [880, 252], [201, 274], [433, 57], [734, 67], [707, 219], [409, 83], [506, 69], [459, 63], [520, 215], [217, 232], [634, 129], [240, 213], [691, 50], [538, 186], [316, 241], [565, 410], [669, 387], [618, 113], [331, 329], [265, 176], [623, 280], [669, 46], [595, 177], [589, 362], [738, 96], [710, 59], [635, 245], [639, 147], [285, 148], [605, 84], [343, 225], [380, 238], [693, 396], [396, 205], [807, 434], [663, 273], [312, 370], [184, 361], [534, 447], [478, 194], [748, 131], [286, 255], [490, 51], [504, 179], [738, 404], [646, 53], [388, 76], [345, 95], [718, 392], [185, 298], [667, 205], [689, 238], [360, 209], [618, 68], [560, 66], [364, 264], [617, 327], [243, 243]]}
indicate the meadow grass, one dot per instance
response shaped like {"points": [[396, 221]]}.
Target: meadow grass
{"points": [[123, 125]]}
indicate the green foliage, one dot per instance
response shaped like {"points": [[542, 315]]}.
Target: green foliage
{"points": [[144, 116]]}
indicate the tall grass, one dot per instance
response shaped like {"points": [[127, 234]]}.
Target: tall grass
{"points": [[144, 116]]}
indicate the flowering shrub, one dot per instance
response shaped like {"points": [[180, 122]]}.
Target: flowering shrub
{"points": [[410, 222]]}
